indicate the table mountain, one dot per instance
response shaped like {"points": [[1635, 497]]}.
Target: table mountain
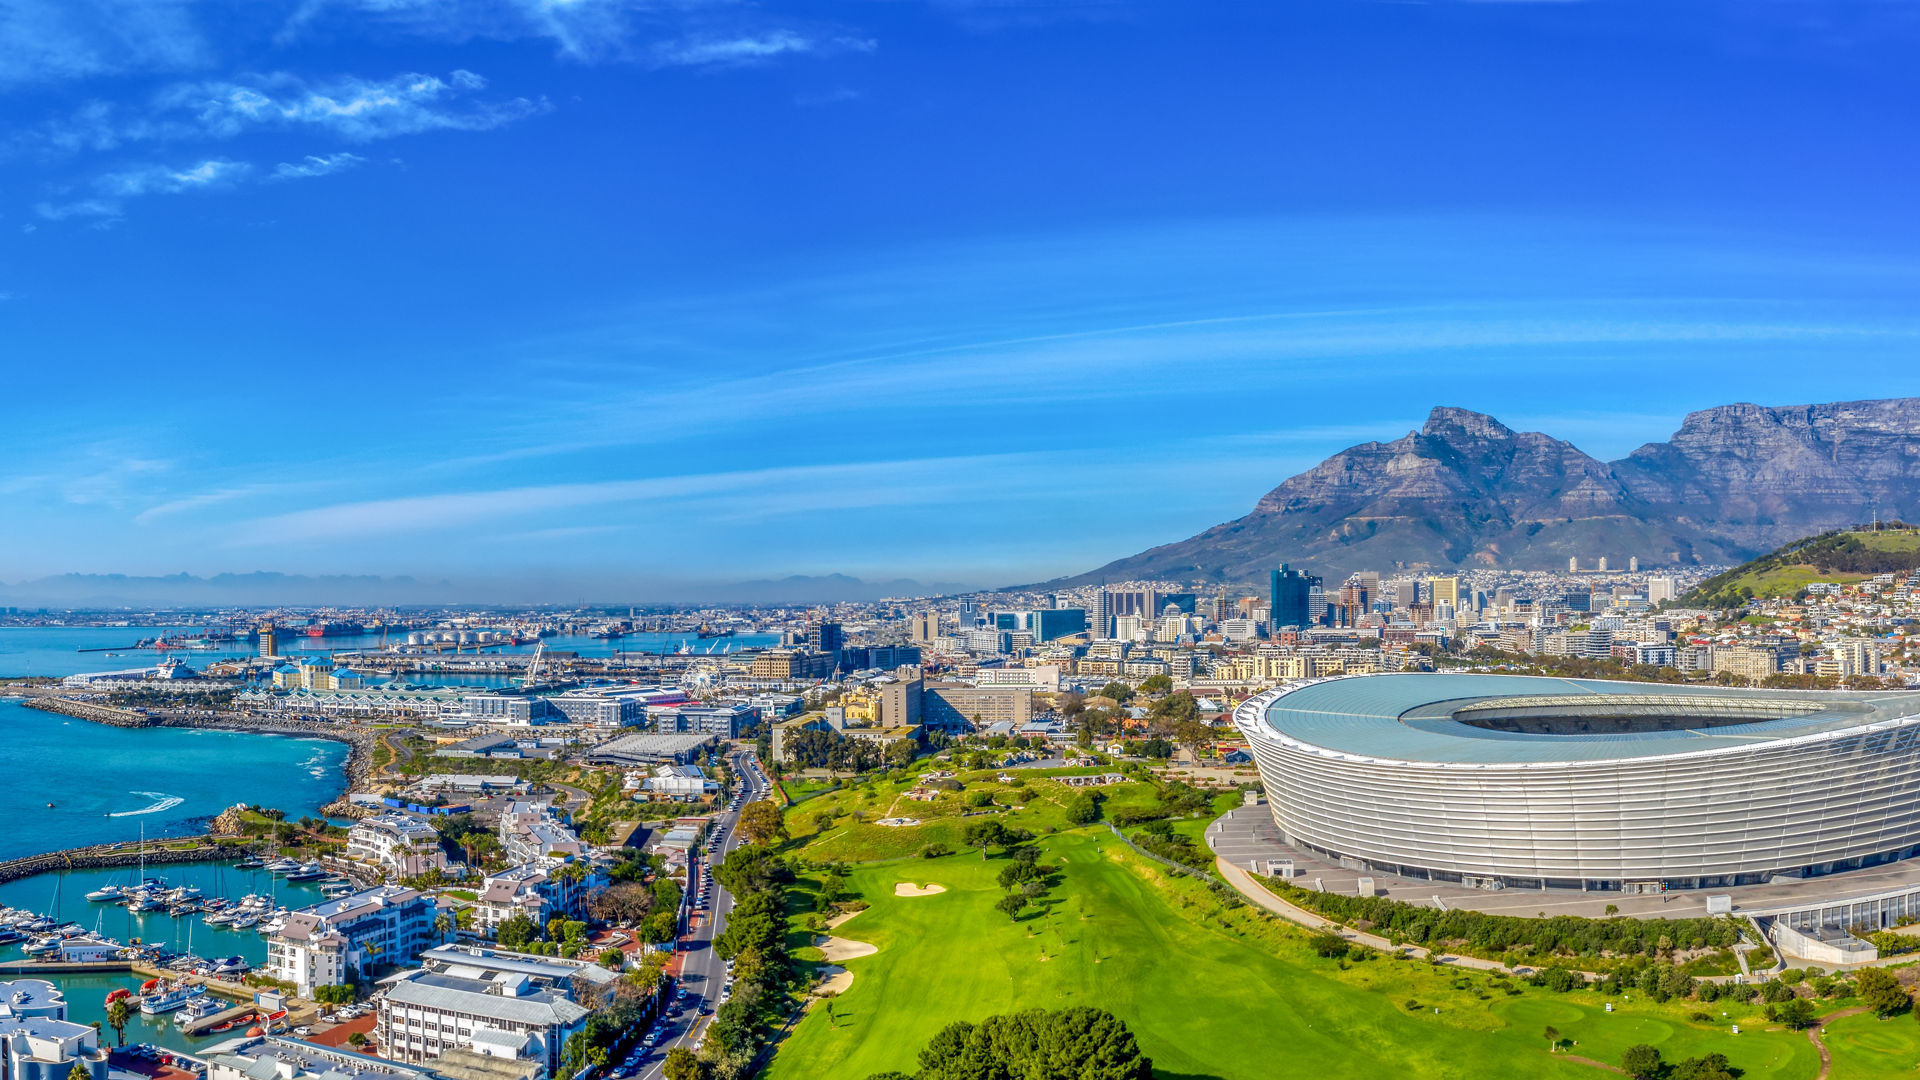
{"points": [[1466, 490]]}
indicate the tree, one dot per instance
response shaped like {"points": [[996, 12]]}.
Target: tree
{"points": [[1710, 1067], [79, 1072], [1642, 1062], [1011, 905], [622, 905], [682, 1064], [515, 931], [118, 1014], [1083, 808], [1116, 691], [1797, 1013], [1881, 991], [1156, 684], [760, 823], [1553, 1038], [986, 834], [1327, 943], [1067, 1044], [613, 959], [357, 1039]]}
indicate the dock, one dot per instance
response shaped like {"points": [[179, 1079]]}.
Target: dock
{"points": [[65, 967]]}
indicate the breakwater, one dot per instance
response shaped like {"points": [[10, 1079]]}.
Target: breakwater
{"points": [[189, 849]]}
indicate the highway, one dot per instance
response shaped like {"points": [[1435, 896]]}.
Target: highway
{"points": [[701, 972]]}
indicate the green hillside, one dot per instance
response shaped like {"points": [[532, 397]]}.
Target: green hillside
{"points": [[1833, 556]]}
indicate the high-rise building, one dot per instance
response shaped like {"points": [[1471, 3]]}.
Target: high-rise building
{"points": [[269, 641], [1287, 597], [1446, 590], [1573, 564], [825, 637], [1050, 623], [1603, 564], [923, 626], [1100, 616], [1142, 602], [1633, 564], [1659, 589]]}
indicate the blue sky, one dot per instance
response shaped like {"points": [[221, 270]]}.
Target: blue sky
{"points": [[592, 295]]}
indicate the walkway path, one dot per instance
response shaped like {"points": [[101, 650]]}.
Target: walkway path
{"points": [[1819, 1027], [1264, 897]]}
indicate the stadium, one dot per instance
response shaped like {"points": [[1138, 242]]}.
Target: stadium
{"points": [[1504, 781]]}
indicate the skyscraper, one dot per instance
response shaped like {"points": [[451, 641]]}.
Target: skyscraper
{"points": [[269, 641], [1445, 590], [1287, 597], [1100, 615], [1573, 564]]}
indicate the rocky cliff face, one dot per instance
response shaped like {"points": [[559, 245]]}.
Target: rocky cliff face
{"points": [[1466, 490]]}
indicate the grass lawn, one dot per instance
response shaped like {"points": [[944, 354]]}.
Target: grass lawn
{"points": [[1863, 1045], [1209, 992]]}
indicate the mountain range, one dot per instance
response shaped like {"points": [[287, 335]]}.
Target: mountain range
{"points": [[1467, 491]]}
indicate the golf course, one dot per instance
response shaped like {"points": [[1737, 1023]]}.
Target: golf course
{"points": [[1217, 991]]}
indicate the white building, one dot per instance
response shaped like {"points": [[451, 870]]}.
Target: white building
{"points": [[490, 1001], [275, 1058], [402, 847], [537, 890], [334, 942], [531, 831], [679, 782], [37, 1042]]}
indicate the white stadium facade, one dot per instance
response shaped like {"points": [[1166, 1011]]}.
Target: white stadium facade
{"points": [[1505, 782]]}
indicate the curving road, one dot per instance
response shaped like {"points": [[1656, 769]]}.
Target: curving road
{"points": [[701, 972]]}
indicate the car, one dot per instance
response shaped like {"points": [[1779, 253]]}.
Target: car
{"points": [[651, 1039], [302, 1032]]}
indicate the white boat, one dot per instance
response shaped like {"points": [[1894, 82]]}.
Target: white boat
{"points": [[232, 965], [106, 893], [221, 918], [250, 919], [168, 998], [198, 1009]]}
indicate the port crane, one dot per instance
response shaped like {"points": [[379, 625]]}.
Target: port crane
{"points": [[533, 666]]}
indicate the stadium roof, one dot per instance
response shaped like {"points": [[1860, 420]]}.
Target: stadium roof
{"points": [[1476, 719]]}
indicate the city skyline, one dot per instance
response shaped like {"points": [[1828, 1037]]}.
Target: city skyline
{"points": [[538, 294]]}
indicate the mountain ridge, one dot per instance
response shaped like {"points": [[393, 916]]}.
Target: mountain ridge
{"points": [[1466, 490]]}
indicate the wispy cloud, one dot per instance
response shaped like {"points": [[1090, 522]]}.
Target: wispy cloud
{"points": [[749, 48], [317, 165], [347, 107], [58, 40], [111, 190], [762, 492]]}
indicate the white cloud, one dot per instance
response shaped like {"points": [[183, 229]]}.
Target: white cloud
{"points": [[317, 165], [171, 180], [581, 29], [57, 40], [750, 48], [111, 190], [742, 495], [352, 108]]}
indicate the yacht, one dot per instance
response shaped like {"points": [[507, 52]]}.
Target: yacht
{"points": [[197, 1010], [8, 935], [106, 894], [168, 998], [251, 862], [42, 946], [232, 965], [308, 872], [221, 918], [283, 864], [249, 919]]}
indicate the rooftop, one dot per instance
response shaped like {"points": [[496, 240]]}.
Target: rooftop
{"points": [[1478, 719]]}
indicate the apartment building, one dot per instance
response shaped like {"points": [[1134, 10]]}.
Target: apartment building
{"points": [[336, 941], [402, 847], [500, 1003]]}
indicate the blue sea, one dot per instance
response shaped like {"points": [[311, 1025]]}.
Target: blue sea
{"points": [[107, 783]]}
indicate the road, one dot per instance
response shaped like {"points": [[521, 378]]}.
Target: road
{"points": [[701, 972]]}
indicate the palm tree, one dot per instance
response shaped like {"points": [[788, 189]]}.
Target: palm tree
{"points": [[443, 925], [118, 1014]]}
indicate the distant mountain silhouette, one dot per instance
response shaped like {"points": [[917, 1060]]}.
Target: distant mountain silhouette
{"points": [[1465, 490]]}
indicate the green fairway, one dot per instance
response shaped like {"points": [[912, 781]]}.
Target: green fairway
{"points": [[1862, 1045], [1210, 992]]}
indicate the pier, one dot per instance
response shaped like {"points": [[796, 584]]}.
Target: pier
{"points": [[126, 853]]}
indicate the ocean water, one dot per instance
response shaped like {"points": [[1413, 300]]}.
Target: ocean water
{"points": [[107, 783], [35, 650]]}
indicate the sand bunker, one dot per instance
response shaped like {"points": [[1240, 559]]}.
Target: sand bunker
{"points": [[907, 888], [834, 923], [839, 981], [838, 949]]}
